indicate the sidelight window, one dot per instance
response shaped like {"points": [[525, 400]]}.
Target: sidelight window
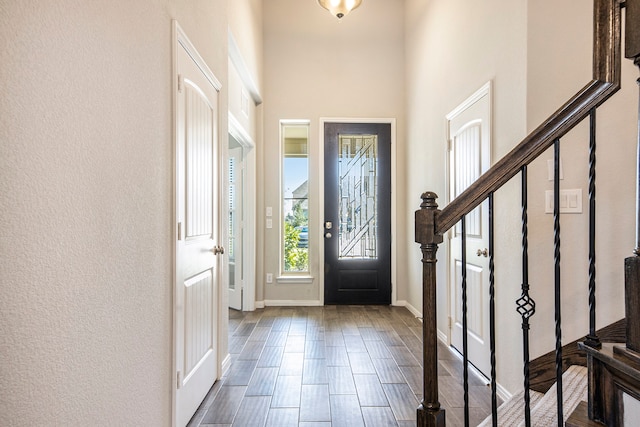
{"points": [[295, 196]]}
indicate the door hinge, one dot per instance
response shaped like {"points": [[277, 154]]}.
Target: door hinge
{"points": [[179, 231], [179, 379], [450, 321], [179, 83]]}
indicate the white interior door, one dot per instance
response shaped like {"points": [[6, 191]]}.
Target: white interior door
{"points": [[469, 128], [236, 224], [197, 257]]}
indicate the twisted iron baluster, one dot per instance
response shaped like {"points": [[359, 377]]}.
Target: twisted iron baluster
{"points": [[465, 353], [526, 305], [556, 257], [592, 339], [492, 320]]}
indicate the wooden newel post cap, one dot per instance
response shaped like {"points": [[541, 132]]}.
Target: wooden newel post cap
{"points": [[425, 220]]}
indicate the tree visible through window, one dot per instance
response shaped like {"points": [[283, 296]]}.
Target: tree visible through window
{"points": [[295, 202]]}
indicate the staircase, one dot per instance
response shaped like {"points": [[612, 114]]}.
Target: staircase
{"points": [[607, 391]]}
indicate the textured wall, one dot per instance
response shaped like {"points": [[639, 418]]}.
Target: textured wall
{"points": [[85, 202]]}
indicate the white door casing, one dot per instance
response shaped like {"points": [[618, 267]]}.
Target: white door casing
{"points": [[236, 225], [469, 135], [242, 137], [197, 202]]}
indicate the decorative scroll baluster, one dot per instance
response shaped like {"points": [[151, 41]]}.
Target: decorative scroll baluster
{"points": [[526, 305], [429, 413], [592, 339], [492, 320], [465, 348], [556, 257]]}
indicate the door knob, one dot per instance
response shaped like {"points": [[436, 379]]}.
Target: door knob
{"points": [[483, 252], [217, 250], [327, 235]]}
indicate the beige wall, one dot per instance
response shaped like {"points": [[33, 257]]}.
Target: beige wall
{"points": [[536, 61], [558, 65], [245, 22], [85, 202], [318, 67], [245, 79]]}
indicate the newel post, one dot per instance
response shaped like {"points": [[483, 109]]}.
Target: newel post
{"points": [[429, 412], [632, 264]]}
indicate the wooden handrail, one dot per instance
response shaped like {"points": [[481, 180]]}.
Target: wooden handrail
{"points": [[606, 81]]}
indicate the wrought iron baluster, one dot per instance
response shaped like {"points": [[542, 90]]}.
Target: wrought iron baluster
{"points": [[556, 257], [526, 305], [592, 339], [492, 320], [465, 350]]}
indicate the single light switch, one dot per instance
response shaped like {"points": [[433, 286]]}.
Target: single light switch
{"points": [[269, 211], [269, 223]]}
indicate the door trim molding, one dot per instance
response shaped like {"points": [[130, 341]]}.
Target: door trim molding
{"points": [[394, 192], [249, 212]]}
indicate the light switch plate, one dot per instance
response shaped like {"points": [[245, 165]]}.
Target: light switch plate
{"points": [[269, 211], [570, 201], [269, 223]]}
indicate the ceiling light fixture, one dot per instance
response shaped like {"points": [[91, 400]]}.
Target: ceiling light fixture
{"points": [[339, 8]]}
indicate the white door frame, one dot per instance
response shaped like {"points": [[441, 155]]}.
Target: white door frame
{"points": [[394, 192], [181, 41], [249, 212]]}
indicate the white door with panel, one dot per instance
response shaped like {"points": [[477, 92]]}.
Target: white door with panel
{"points": [[198, 255], [469, 133]]}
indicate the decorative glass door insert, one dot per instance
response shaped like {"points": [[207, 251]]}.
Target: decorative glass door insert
{"points": [[357, 172]]}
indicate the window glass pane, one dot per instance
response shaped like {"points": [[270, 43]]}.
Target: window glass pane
{"points": [[295, 203], [357, 186]]}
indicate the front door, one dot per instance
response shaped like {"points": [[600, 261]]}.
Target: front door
{"points": [[469, 156], [197, 250], [357, 214]]}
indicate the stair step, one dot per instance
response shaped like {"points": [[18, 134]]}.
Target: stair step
{"points": [[511, 412], [574, 391], [580, 417], [544, 411]]}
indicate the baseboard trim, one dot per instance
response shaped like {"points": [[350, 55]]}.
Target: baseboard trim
{"points": [[412, 309], [226, 364], [291, 303], [443, 337], [502, 392], [259, 304]]}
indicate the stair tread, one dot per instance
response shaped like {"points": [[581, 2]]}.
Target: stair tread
{"points": [[543, 406], [511, 412], [574, 391]]}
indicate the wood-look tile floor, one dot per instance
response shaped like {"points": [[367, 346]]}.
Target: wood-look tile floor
{"points": [[332, 366]]}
